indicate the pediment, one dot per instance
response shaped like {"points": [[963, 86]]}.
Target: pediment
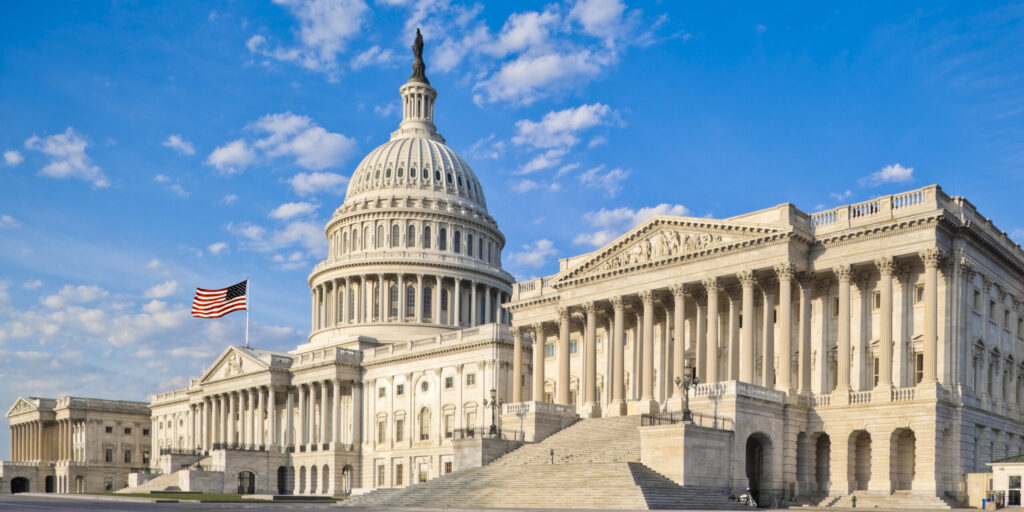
{"points": [[663, 239], [233, 362], [21, 405]]}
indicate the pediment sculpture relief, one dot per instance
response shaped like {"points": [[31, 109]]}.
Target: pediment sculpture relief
{"points": [[22, 406], [662, 244], [233, 365]]}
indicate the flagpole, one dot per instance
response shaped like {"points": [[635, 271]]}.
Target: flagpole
{"points": [[248, 305]]}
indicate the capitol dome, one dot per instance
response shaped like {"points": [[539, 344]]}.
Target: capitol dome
{"points": [[413, 251]]}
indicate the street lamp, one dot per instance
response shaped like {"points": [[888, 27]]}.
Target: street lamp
{"points": [[688, 380], [494, 404]]}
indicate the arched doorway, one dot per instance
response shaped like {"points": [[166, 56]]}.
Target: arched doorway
{"points": [[246, 482], [902, 459], [49, 484], [758, 453], [302, 480], [282, 480], [79, 484], [19, 484], [312, 479], [822, 459], [859, 464], [326, 487], [346, 480]]}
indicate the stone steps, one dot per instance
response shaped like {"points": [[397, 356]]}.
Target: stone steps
{"points": [[597, 465], [897, 500], [160, 483]]}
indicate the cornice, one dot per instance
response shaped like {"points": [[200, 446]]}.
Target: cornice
{"points": [[505, 281], [433, 353]]}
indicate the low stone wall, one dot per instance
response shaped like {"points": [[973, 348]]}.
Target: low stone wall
{"points": [[474, 452], [688, 454], [537, 425], [211, 482]]}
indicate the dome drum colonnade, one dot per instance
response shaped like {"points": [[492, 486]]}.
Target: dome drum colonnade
{"points": [[723, 356]]}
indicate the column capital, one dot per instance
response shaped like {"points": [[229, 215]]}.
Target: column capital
{"points": [[517, 331], [768, 285], [886, 265], [843, 272], [678, 290], [785, 271], [647, 296], [563, 313], [932, 257], [616, 301], [805, 278], [967, 268], [746, 277], [538, 331], [589, 308], [734, 292], [710, 283]]}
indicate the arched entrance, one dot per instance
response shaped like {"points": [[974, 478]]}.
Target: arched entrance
{"points": [[312, 479], [346, 480], [902, 459], [19, 484], [302, 480], [822, 459], [758, 453], [859, 464], [79, 484], [50, 484], [282, 480], [326, 487], [246, 482]]}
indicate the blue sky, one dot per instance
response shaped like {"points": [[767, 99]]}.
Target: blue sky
{"points": [[149, 148]]}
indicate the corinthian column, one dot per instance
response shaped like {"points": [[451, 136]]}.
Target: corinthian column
{"points": [[931, 258], [678, 339], [562, 386], [747, 335], [768, 353], [806, 278], [885, 270], [647, 402], [538, 362], [592, 408], [784, 381], [618, 404], [517, 364], [711, 364], [842, 391]]}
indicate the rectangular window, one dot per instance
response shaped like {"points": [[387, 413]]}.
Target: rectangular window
{"points": [[109, 430], [145, 457], [382, 392], [775, 315], [625, 339], [470, 379], [835, 306], [382, 428], [398, 474], [128, 456], [918, 294], [1006, 319], [600, 344], [470, 420], [875, 372], [992, 310], [108, 455], [876, 300], [380, 476], [573, 346], [447, 467], [1013, 497], [108, 484], [423, 472], [449, 425], [1020, 327], [145, 431], [400, 389], [977, 301], [549, 350], [399, 430], [918, 368], [449, 382], [127, 430]]}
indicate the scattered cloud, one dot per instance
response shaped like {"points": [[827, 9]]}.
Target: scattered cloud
{"points": [[229, 199], [179, 144], [523, 186], [177, 189], [760, 29], [232, 158], [373, 56], [67, 157], [217, 248], [613, 223], [488, 147], [284, 135], [531, 77], [308, 234], [841, 196], [296, 209], [6, 221], [545, 160], [561, 128], [162, 290], [69, 294], [32, 285], [534, 255], [293, 261], [387, 109], [325, 27], [312, 183], [894, 173], [610, 181], [12, 157]]}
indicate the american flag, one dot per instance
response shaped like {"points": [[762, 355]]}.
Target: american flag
{"points": [[217, 303]]}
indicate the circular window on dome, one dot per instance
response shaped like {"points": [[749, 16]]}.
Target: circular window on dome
{"points": [[449, 177], [437, 175], [424, 386], [426, 174], [387, 173], [460, 181], [401, 172]]}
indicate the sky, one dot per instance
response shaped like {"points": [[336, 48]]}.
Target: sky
{"points": [[152, 147]]}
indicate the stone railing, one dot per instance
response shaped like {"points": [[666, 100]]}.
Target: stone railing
{"points": [[902, 394], [875, 210], [539, 408], [671, 418], [860, 397], [329, 354], [486, 332], [822, 400], [736, 388], [532, 289]]}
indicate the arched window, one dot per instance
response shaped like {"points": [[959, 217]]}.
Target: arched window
{"points": [[395, 233], [410, 298], [344, 242], [480, 248], [379, 243], [460, 180], [393, 292], [366, 238], [437, 176], [401, 172], [444, 299], [351, 305], [449, 178], [428, 297], [442, 239], [387, 174], [469, 244], [426, 174], [424, 424], [410, 236], [457, 242], [426, 237]]}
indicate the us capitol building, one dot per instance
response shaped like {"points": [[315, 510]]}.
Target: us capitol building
{"points": [[872, 350]]}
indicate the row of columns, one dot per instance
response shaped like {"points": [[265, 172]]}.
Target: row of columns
{"points": [[30, 441], [27, 441], [333, 303], [707, 349]]}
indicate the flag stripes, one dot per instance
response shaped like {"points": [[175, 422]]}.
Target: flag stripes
{"points": [[217, 303]]}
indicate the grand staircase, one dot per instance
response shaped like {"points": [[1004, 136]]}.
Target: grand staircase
{"points": [[596, 465], [899, 499]]}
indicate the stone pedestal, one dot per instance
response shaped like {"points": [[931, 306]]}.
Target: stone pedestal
{"points": [[881, 394], [840, 396], [473, 452], [675, 404], [688, 454], [537, 420], [647, 406], [616, 408], [591, 410]]}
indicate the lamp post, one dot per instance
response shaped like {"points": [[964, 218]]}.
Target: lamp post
{"points": [[688, 380], [494, 404]]}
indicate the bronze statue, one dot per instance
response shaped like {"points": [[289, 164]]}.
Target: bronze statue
{"points": [[419, 69]]}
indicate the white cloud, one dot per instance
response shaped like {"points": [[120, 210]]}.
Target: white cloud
{"points": [[296, 209], [535, 255], [292, 261], [597, 141], [531, 77], [173, 187], [760, 29], [161, 178], [523, 186], [600, 18], [841, 196], [32, 285], [487, 148], [232, 157], [162, 290], [217, 248], [374, 56], [387, 109], [311, 183], [32, 355], [12, 157], [6, 221], [561, 128], [609, 181], [325, 26], [154, 264], [545, 160], [179, 144], [613, 223], [307, 234], [67, 157], [229, 199], [894, 173], [524, 31], [74, 295]]}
